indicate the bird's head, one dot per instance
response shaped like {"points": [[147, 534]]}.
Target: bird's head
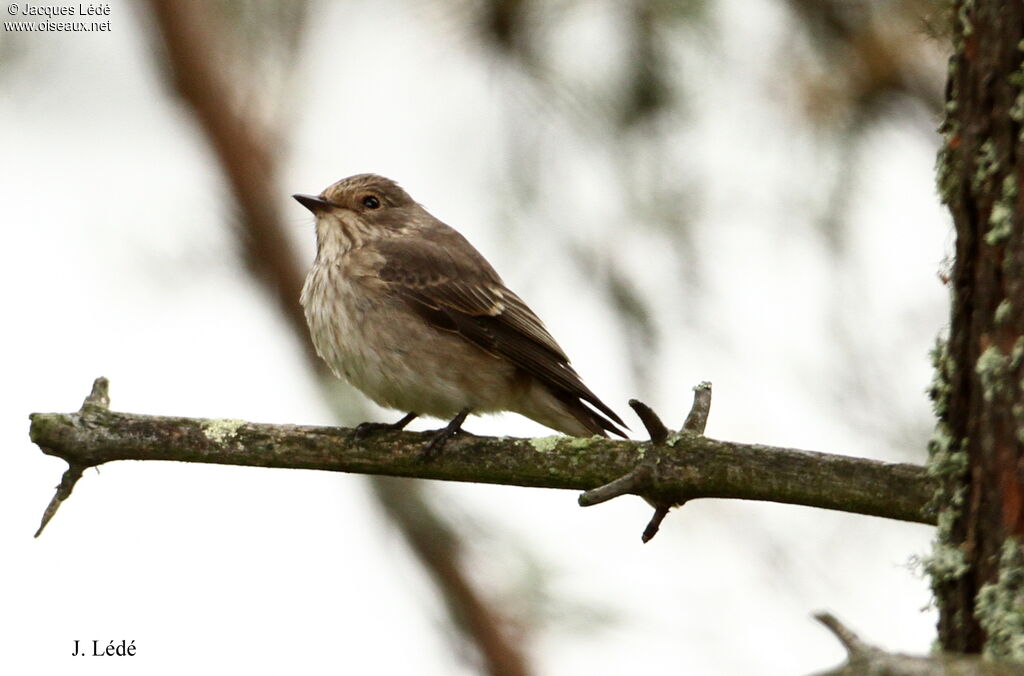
{"points": [[359, 209]]}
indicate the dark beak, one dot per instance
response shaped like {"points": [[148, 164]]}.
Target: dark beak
{"points": [[312, 202]]}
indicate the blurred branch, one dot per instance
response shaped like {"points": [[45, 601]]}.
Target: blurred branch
{"points": [[245, 151], [870, 52], [864, 659], [433, 540], [690, 466], [191, 40]]}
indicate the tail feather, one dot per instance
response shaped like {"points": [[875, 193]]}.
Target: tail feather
{"points": [[588, 417], [563, 411]]}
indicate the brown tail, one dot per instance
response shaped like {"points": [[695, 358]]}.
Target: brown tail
{"points": [[588, 417]]}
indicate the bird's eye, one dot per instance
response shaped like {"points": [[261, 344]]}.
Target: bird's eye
{"points": [[371, 202]]}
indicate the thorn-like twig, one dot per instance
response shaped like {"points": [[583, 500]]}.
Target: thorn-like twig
{"points": [[864, 658], [660, 512], [697, 420], [641, 481], [634, 483], [64, 488], [854, 644], [655, 428], [99, 396]]}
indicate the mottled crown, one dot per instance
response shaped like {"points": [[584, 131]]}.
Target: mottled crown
{"points": [[350, 192]]}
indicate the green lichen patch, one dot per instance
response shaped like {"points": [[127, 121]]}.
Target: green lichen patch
{"points": [[986, 164], [945, 458], [1017, 109], [945, 564], [1000, 224], [1000, 219], [1017, 80], [948, 462], [1017, 353], [964, 17], [992, 368], [545, 444], [581, 443], [999, 606], [675, 437], [947, 173], [941, 387], [221, 429], [1003, 311]]}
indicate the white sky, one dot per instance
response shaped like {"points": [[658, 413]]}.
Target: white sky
{"points": [[118, 263]]}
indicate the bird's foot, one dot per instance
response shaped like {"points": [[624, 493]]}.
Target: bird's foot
{"points": [[440, 438], [366, 429]]}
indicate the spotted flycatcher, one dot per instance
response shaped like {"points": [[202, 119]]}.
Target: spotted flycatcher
{"points": [[413, 316]]}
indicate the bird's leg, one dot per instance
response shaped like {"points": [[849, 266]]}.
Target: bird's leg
{"points": [[441, 436], [365, 429]]}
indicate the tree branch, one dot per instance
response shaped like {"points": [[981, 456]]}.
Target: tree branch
{"points": [[864, 659], [689, 466], [641, 481]]}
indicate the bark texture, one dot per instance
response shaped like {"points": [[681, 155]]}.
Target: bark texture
{"points": [[684, 467], [978, 448]]}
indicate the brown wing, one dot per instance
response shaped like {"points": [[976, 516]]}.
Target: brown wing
{"points": [[455, 289]]}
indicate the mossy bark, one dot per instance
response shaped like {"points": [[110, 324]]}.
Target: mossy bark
{"points": [[688, 467], [978, 448]]}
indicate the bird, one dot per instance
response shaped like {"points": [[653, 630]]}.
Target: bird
{"points": [[410, 313]]}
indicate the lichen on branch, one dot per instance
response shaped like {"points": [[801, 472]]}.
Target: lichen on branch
{"points": [[694, 466]]}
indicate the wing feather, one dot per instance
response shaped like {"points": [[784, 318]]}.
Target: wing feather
{"points": [[468, 297]]}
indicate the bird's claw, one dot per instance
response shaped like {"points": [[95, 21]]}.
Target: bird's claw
{"points": [[368, 429], [440, 438], [365, 429], [436, 444]]}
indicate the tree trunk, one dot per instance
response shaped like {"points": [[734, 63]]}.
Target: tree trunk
{"points": [[977, 566]]}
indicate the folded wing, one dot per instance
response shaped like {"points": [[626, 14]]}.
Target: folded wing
{"points": [[468, 297]]}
